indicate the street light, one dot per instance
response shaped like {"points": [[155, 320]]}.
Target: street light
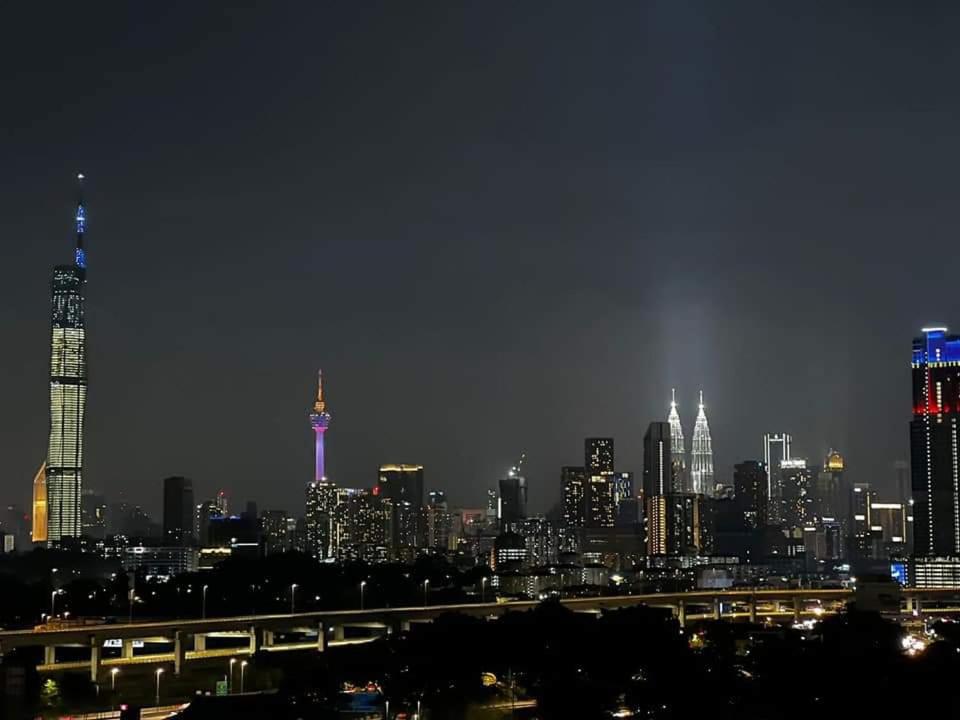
{"points": [[113, 679], [293, 590], [243, 666], [483, 589], [159, 673], [363, 584], [204, 602], [230, 686], [426, 584], [53, 602]]}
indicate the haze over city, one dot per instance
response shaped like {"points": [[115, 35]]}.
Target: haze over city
{"points": [[497, 229]]}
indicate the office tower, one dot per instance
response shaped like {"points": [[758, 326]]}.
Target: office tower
{"points": [[93, 514], [401, 482], [890, 520], [321, 501], [541, 541], [598, 456], [438, 522], [830, 495], [275, 531], [859, 525], [319, 421], [493, 500], [798, 485], [251, 510], [601, 510], [68, 391], [573, 482], [657, 459], [901, 471], [222, 503], [750, 492], [674, 524], [205, 511], [513, 500], [38, 532], [178, 511], [678, 454], [776, 449], [701, 455], [622, 486], [934, 443]]}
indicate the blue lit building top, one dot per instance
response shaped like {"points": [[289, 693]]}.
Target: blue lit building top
{"points": [[936, 346]]}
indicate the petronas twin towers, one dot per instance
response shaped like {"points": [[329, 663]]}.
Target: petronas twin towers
{"points": [[698, 476]]}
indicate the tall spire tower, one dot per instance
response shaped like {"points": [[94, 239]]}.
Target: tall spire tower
{"points": [[319, 421], [701, 455], [678, 454], [68, 390]]}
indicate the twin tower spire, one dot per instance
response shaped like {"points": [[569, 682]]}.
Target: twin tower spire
{"points": [[697, 477]]}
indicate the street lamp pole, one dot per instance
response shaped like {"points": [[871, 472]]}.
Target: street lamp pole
{"points": [[243, 667], [159, 673], [113, 679], [230, 684], [426, 584], [483, 589], [363, 584], [203, 612], [53, 602], [293, 590]]}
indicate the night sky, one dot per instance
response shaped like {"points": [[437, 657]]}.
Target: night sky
{"points": [[497, 227]]}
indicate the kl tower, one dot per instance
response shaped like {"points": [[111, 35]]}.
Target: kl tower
{"points": [[320, 421]]}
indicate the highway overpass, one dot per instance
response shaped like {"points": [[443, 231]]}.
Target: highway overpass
{"points": [[187, 640]]}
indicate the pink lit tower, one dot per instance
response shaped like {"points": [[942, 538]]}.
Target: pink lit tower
{"points": [[320, 421]]}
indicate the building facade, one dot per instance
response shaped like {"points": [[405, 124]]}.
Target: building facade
{"points": [[178, 511], [68, 392], [701, 454]]}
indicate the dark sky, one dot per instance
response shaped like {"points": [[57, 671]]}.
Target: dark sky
{"points": [[498, 227]]}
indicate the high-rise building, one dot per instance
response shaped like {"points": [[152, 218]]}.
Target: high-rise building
{"points": [[38, 533], [319, 421], [438, 522], [601, 508], [860, 523], [205, 512], [573, 498], [401, 482], [658, 459], [901, 471], [935, 443], [178, 511], [598, 456], [750, 492], [798, 487], [68, 392], [776, 449], [319, 517], [275, 531], [890, 520], [674, 524], [830, 494], [93, 513], [512, 507], [678, 454], [701, 454]]}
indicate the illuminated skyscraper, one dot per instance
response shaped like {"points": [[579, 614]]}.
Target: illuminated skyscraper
{"points": [[68, 392], [935, 443], [319, 421], [39, 530], [178, 511], [678, 453], [657, 459], [701, 455], [598, 456], [776, 449], [572, 481]]}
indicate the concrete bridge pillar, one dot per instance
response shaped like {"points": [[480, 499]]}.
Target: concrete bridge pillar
{"points": [[797, 604], [268, 638], [95, 654], [126, 651], [716, 608], [49, 654], [253, 639], [909, 604], [199, 642], [682, 613], [338, 632], [179, 653], [753, 609], [321, 638]]}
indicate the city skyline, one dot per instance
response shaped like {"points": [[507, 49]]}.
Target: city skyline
{"points": [[400, 314]]}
